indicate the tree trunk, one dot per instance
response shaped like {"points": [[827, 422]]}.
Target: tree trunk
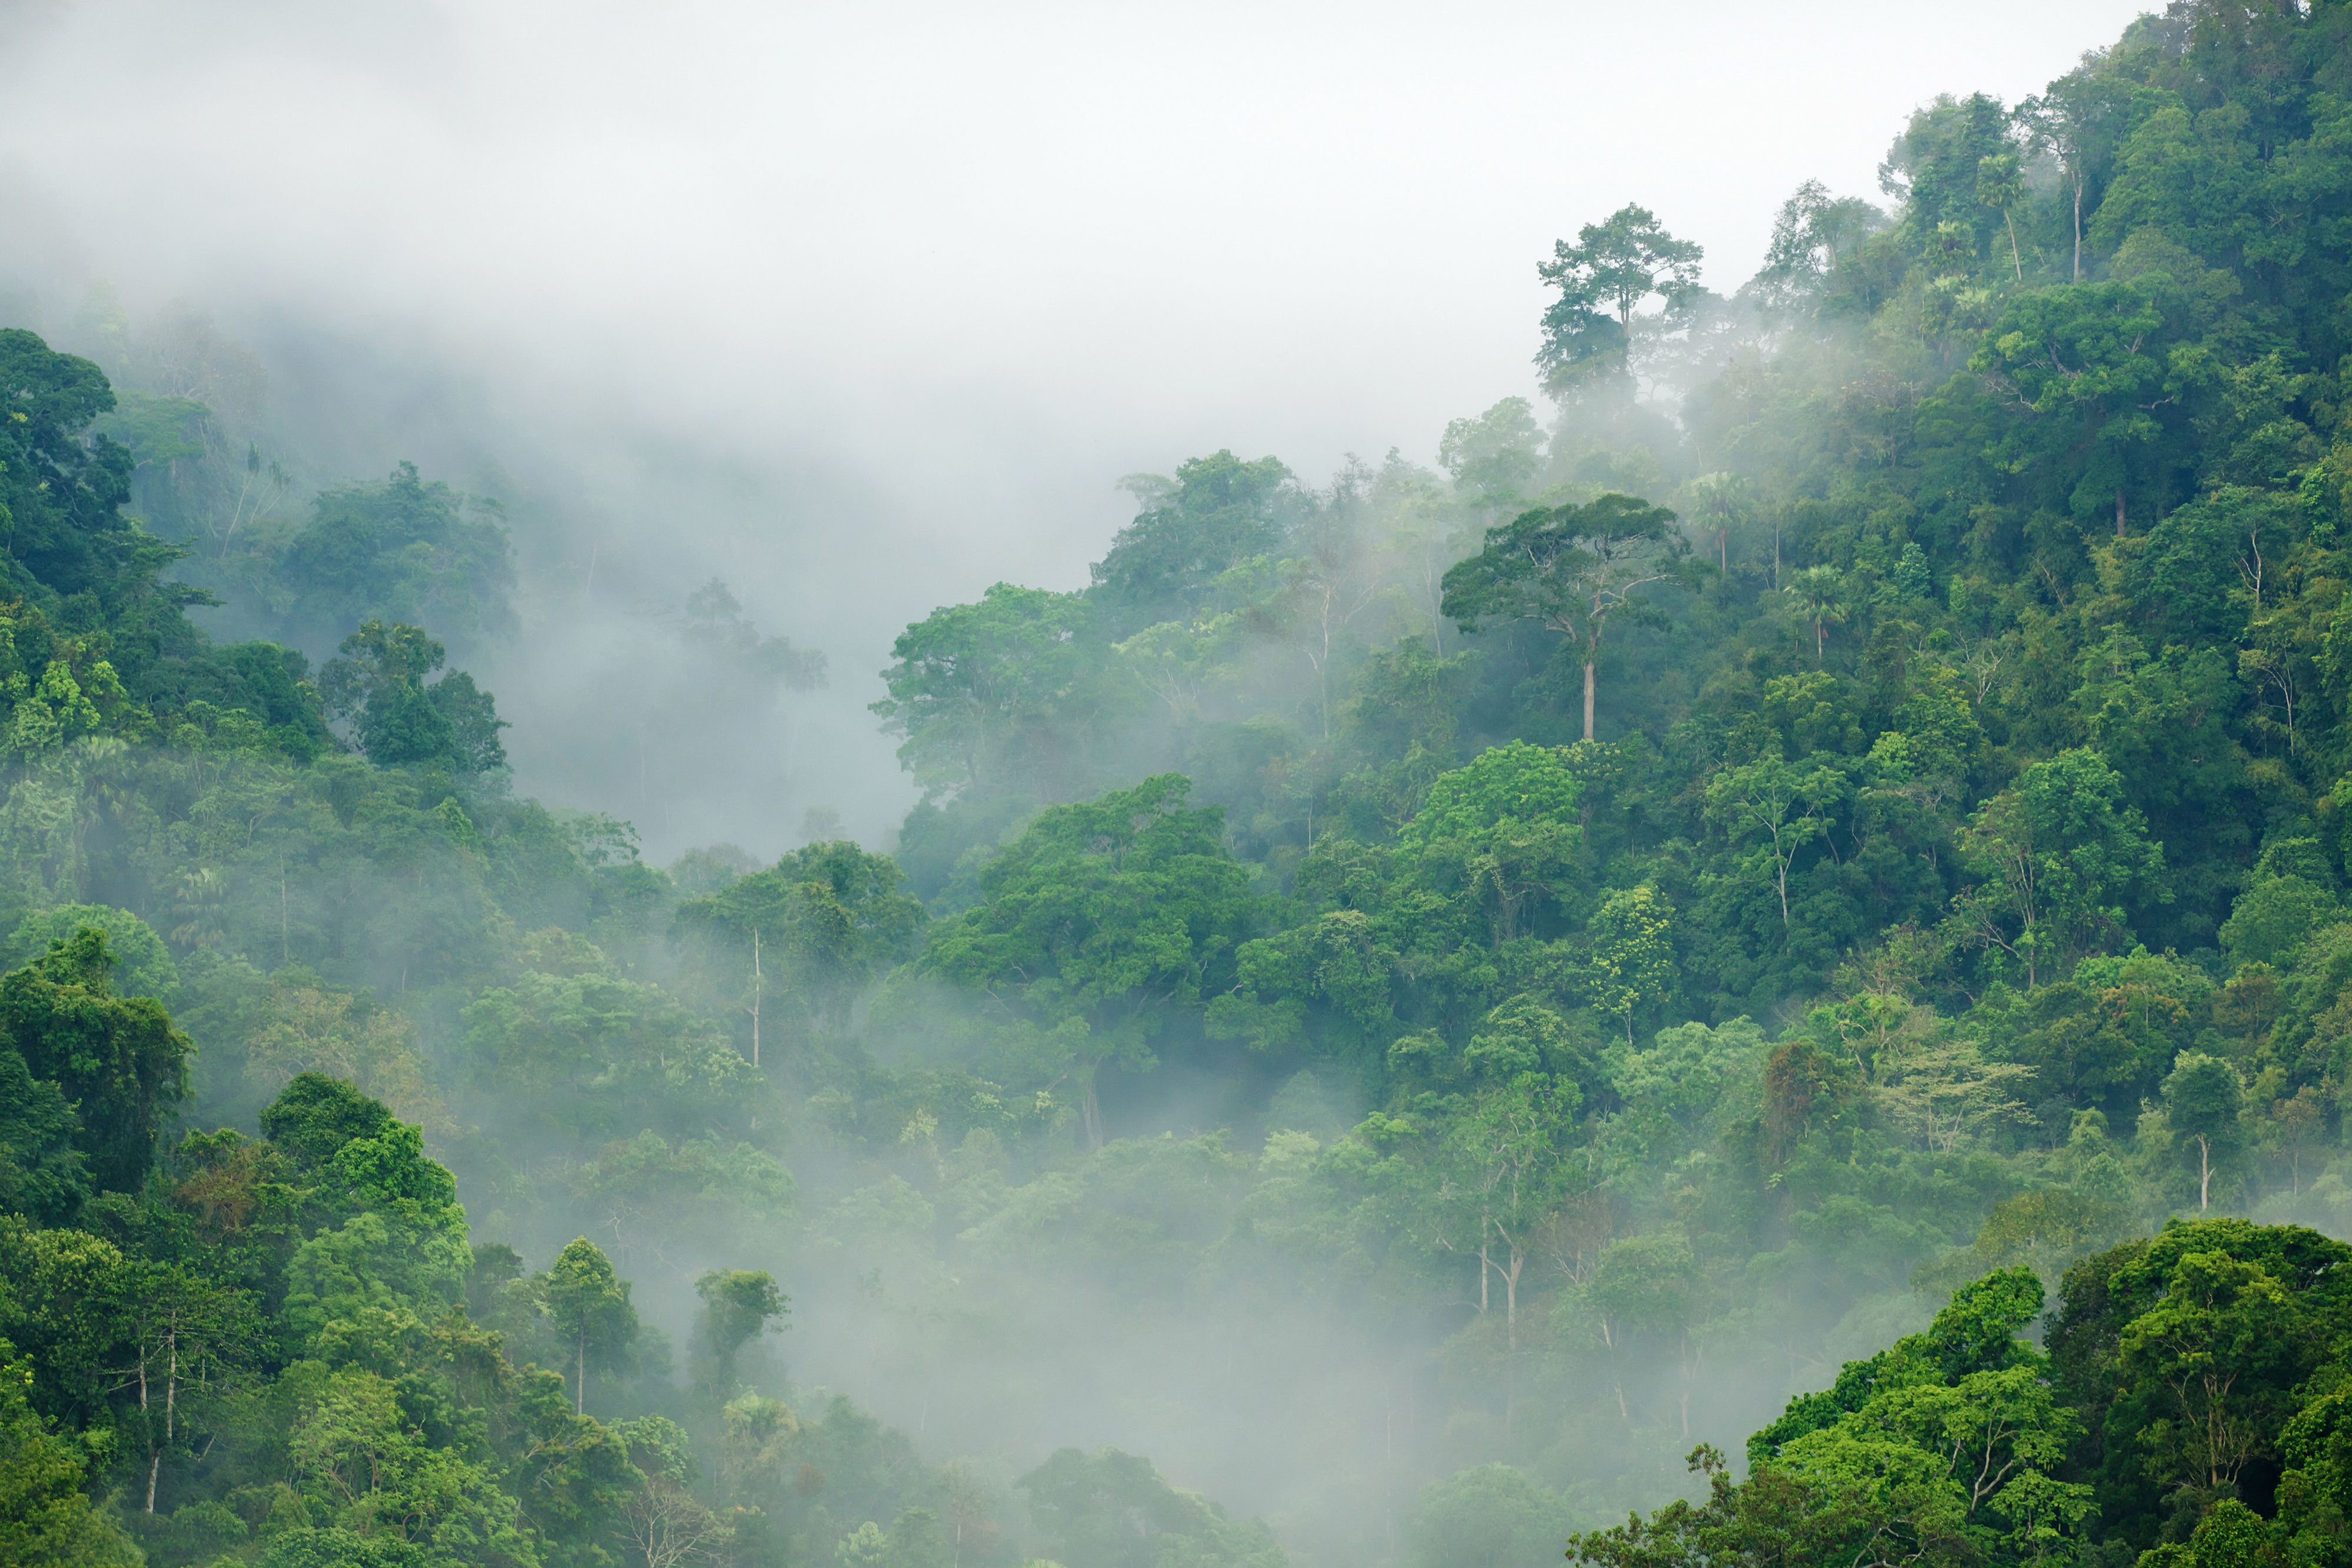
{"points": [[2204, 1173], [2119, 512], [171, 1411], [155, 1453], [1511, 1338], [580, 1380], [2013, 261], [1588, 700], [1090, 1114], [2078, 228]]}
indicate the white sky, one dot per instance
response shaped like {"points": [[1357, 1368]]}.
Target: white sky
{"points": [[1142, 228], [972, 261]]}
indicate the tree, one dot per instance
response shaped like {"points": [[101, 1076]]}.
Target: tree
{"points": [[2077, 119], [60, 495], [188, 1335], [2202, 1101], [589, 1305], [1644, 1288], [1113, 1509], [402, 548], [46, 1519], [1098, 921], [1601, 278], [1818, 596], [1492, 1516], [2206, 1344], [1782, 806], [2001, 186], [2058, 855], [1633, 958], [982, 692], [823, 920], [2094, 363], [738, 1305], [1812, 234], [1503, 1168], [377, 683], [120, 1059], [1720, 502], [1219, 512], [1571, 569], [713, 619], [1493, 456], [1504, 831]]}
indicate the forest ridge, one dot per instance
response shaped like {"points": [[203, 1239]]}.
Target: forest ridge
{"points": [[1754, 968]]}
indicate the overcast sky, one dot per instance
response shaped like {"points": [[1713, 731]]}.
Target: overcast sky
{"points": [[971, 261]]}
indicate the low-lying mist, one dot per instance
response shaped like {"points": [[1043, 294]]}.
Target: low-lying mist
{"points": [[944, 697]]}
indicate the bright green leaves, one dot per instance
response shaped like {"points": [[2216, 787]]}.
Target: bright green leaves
{"points": [[979, 691], [1500, 834], [392, 1240], [589, 1306], [365, 1467], [1632, 958], [1220, 512], [1775, 808], [1949, 1446], [46, 1519], [2221, 1318]]}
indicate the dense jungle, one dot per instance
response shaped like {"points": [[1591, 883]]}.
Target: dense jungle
{"points": [[1755, 968]]}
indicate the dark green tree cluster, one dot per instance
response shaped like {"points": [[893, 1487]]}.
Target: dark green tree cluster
{"points": [[2184, 1409]]}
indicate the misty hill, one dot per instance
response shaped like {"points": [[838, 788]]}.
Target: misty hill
{"points": [[1771, 933]]}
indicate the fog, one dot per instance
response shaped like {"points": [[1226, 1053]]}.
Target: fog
{"points": [[863, 308]]}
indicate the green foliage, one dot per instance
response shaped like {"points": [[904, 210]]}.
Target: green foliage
{"points": [[45, 1517], [978, 690], [1958, 896], [1112, 1510], [398, 721], [1603, 278], [117, 1058], [1099, 919], [1219, 512], [400, 550]]}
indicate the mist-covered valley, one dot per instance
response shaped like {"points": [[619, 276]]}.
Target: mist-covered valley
{"points": [[712, 925]]}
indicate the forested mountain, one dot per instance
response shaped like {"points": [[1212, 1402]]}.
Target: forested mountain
{"points": [[1800, 890]]}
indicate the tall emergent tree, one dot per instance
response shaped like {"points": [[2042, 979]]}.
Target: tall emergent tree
{"points": [[1613, 265], [1573, 569], [590, 1306]]}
